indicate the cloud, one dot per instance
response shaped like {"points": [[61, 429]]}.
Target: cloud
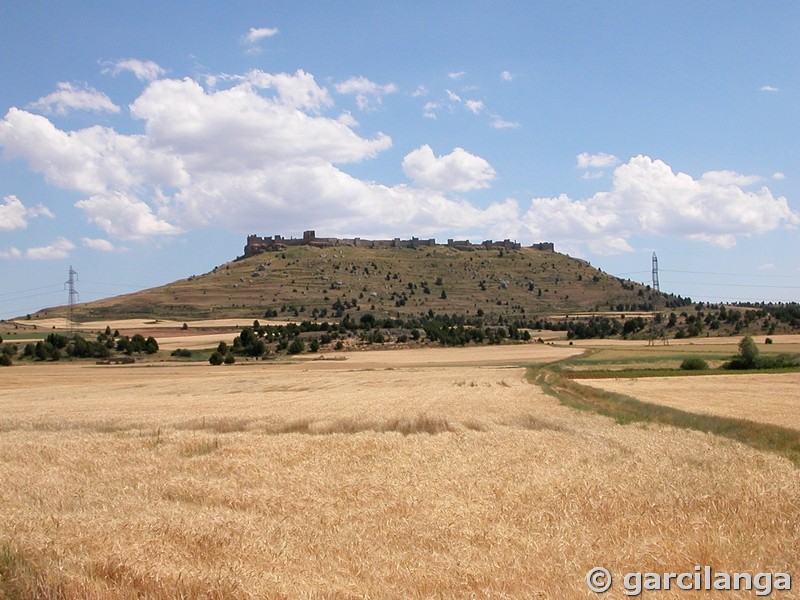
{"points": [[125, 217], [143, 70], [768, 88], [98, 244], [11, 253], [596, 161], [778, 176], [298, 90], [14, 214], [256, 34], [499, 123], [429, 110], [368, 93], [506, 76], [453, 97], [733, 178], [458, 170], [68, 97], [475, 106], [420, 91], [457, 75], [767, 267], [648, 198], [258, 155], [59, 248], [91, 160], [252, 38]]}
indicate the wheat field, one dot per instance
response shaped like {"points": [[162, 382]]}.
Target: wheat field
{"points": [[772, 398], [334, 481]]}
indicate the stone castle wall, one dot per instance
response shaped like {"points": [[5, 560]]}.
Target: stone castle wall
{"points": [[258, 244]]}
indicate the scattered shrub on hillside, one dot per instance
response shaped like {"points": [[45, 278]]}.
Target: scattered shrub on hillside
{"points": [[768, 340], [215, 358], [296, 347], [229, 359], [694, 363], [181, 353]]}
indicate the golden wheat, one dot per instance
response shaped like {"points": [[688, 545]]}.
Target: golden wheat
{"points": [[275, 481], [765, 398]]}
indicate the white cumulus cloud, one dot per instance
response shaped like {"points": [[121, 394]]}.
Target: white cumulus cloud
{"points": [[11, 253], [596, 161], [143, 70], [98, 244], [256, 34], [368, 93], [125, 216], [58, 248], [648, 198], [458, 170], [260, 155], [68, 97], [14, 214]]}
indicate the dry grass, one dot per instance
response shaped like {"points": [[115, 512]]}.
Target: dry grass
{"points": [[765, 398], [295, 482]]}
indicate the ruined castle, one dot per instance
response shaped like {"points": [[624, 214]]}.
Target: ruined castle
{"points": [[258, 244]]}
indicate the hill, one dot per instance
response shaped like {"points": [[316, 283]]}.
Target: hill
{"points": [[306, 281]]}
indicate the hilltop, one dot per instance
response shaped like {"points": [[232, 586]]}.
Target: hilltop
{"points": [[306, 281]]}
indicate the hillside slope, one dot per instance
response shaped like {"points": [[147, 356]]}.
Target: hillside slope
{"points": [[305, 281]]}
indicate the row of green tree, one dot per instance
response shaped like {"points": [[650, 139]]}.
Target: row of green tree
{"points": [[57, 346]]}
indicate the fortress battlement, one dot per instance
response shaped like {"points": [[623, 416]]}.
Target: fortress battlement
{"points": [[257, 244]]}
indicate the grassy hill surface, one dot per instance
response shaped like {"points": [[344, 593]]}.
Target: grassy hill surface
{"points": [[303, 282]]}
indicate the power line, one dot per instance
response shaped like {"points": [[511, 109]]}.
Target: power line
{"points": [[781, 287], [30, 296], [731, 274], [44, 287]]}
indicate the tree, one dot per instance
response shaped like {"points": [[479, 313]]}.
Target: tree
{"points": [[296, 347], [748, 352], [748, 357], [229, 359], [215, 358], [368, 321], [151, 345]]}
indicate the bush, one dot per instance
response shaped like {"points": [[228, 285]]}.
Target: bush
{"points": [[5, 360], [215, 358], [229, 359], [694, 364], [768, 341], [296, 347]]}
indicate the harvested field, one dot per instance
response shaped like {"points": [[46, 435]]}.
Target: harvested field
{"points": [[766, 398], [321, 480]]}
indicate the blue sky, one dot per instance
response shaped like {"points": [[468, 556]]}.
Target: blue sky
{"points": [[142, 142]]}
